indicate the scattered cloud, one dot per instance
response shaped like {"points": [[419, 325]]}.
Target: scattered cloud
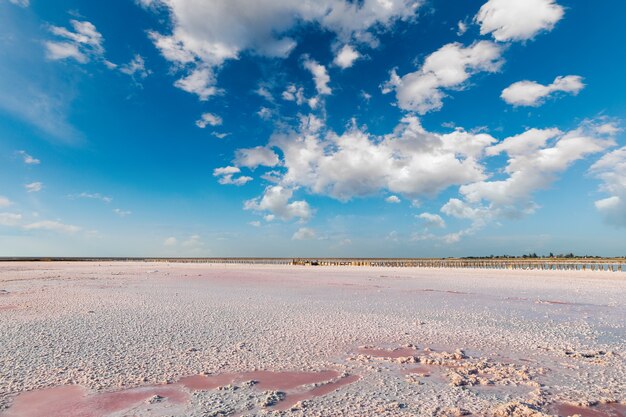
{"points": [[194, 241], [255, 223], [51, 225], [136, 68], [461, 28], [531, 93], [253, 157], [10, 219], [28, 160], [431, 220], [226, 176], [170, 241], [34, 187], [81, 44], [409, 161], [320, 76], [209, 119], [275, 200], [393, 199], [5, 202], [21, 3], [205, 35], [508, 20], [304, 233], [611, 170], [92, 196], [122, 213], [448, 68], [346, 56]]}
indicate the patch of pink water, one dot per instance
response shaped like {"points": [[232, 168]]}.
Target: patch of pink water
{"points": [[73, 401]]}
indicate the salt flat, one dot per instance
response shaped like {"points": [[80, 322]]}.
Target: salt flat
{"points": [[165, 339]]}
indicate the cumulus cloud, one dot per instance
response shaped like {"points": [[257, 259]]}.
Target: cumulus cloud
{"points": [[10, 219], [535, 158], [253, 157], [531, 93], [409, 161], [448, 68], [432, 220], [81, 44], [346, 56], [293, 93], [34, 187], [208, 119], [226, 176], [275, 200], [611, 170], [394, 199], [304, 233], [51, 225], [510, 20], [320, 76], [28, 159], [206, 34]]}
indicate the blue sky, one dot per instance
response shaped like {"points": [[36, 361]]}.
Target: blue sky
{"points": [[312, 128]]}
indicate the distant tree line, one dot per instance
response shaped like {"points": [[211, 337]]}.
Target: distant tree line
{"points": [[535, 256]]}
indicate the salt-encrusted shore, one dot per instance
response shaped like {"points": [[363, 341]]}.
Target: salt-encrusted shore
{"points": [[157, 339]]}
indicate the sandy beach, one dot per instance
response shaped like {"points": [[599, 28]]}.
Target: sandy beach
{"points": [[111, 339]]}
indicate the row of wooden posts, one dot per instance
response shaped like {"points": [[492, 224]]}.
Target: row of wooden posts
{"points": [[512, 264]]}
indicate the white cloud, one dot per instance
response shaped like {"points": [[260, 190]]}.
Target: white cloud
{"points": [[275, 200], [170, 241], [534, 162], [346, 56], [409, 161], [52, 225], [122, 213], [208, 119], [611, 170], [10, 219], [221, 135], [29, 160], [22, 3], [432, 220], [194, 241], [253, 157], [206, 34], [264, 113], [226, 176], [5, 202], [136, 67], [393, 199], [531, 93], [535, 158], [81, 44], [511, 20], [199, 82], [461, 28], [255, 223], [320, 76], [304, 233], [447, 68], [93, 196], [293, 93], [34, 187]]}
